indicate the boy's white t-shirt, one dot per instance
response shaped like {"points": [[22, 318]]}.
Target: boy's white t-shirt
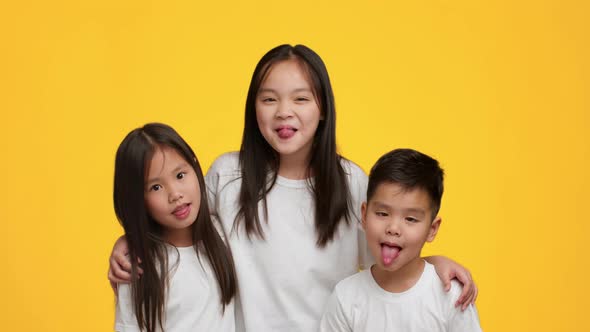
{"points": [[193, 301], [360, 304], [285, 279]]}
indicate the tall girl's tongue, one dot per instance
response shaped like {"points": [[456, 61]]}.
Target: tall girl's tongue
{"points": [[388, 253], [286, 132]]}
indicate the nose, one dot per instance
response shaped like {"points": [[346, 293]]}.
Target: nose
{"points": [[284, 110], [174, 196], [393, 228]]}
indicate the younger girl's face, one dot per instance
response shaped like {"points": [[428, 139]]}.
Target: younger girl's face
{"points": [[287, 111], [172, 195]]}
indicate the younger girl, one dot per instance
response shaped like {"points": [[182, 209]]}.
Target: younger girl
{"points": [[289, 202], [159, 195]]}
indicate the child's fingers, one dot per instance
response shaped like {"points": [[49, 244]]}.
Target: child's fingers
{"points": [[114, 280], [121, 276], [466, 294], [122, 261], [120, 269], [446, 279], [447, 284], [465, 278], [471, 299], [466, 302]]}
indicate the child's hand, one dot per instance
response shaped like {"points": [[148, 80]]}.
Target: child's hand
{"points": [[447, 270], [120, 265]]}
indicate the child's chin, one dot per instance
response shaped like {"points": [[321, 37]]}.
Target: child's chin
{"points": [[391, 267]]}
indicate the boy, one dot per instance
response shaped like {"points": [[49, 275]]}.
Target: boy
{"points": [[401, 292]]}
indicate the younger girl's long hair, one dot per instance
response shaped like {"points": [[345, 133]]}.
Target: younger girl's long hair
{"points": [[144, 234], [258, 158]]}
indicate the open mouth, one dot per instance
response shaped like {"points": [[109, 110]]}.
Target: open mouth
{"points": [[182, 211], [285, 132], [389, 252]]}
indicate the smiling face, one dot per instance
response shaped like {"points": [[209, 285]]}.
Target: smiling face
{"points": [[287, 112], [172, 195], [397, 223]]}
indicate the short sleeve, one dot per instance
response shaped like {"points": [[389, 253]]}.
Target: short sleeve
{"points": [[358, 182], [212, 183], [334, 318], [366, 260], [465, 321], [125, 320], [223, 170], [462, 321]]}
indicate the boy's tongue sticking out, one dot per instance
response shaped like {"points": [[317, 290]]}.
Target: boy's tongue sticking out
{"points": [[389, 253]]}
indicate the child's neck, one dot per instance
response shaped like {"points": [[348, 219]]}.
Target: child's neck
{"points": [[294, 167], [179, 237], [400, 280]]}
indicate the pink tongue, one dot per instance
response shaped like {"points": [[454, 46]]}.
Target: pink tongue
{"points": [[388, 254], [286, 132]]}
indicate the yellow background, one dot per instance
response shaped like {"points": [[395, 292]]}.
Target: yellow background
{"points": [[498, 91]]}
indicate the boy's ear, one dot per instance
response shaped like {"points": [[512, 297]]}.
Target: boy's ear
{"points": [[433, 229], [363, 214]]}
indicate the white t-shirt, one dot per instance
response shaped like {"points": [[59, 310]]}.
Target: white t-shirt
{"points": [[360, 304], [285, 279], [193, 301]]}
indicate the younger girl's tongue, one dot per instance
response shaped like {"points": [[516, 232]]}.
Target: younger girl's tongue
{"points": [[389, 253]]}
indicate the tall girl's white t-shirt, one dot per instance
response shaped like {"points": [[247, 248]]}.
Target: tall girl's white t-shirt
{"points": [[285, 279]]}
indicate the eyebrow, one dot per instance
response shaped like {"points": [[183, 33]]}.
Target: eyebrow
{"points": [[381, 205], [294, 91], [416, 211]]}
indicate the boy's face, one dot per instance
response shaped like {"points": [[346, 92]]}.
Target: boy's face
{"points": [[397, 223]]}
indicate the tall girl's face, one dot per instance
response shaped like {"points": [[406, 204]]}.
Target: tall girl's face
{"points": [[287, 111], [172, 195]]}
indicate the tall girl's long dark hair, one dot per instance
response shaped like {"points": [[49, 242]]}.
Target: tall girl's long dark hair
{"points": [[144, 234], [258, 158]]}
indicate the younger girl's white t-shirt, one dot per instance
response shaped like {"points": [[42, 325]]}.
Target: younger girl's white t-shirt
{"points": [[193, 299]]}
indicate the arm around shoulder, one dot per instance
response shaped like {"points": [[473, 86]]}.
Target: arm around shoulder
{"points": [[447, 270]]}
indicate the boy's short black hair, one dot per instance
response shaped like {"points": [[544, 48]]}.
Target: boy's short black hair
{"points": [[410, 169]]}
